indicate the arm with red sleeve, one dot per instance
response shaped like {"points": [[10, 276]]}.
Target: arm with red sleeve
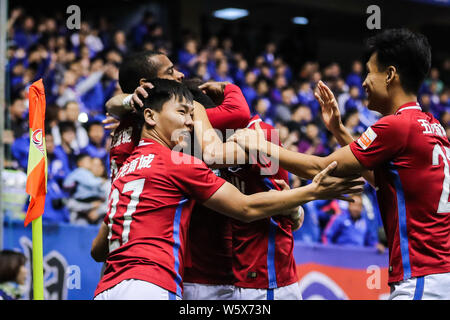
{"points": [[381, 142], [233, 113]]}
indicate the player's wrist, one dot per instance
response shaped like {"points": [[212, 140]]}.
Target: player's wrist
{"points": [[126, 103]]}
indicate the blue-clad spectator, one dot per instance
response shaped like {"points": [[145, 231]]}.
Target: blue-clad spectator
{"points": [[58, 162], [96, 147], [355, 77], [248, 89], [350, 227], [86, 192], [55, 204], [221, 73], [19, 150], [65, 151]]}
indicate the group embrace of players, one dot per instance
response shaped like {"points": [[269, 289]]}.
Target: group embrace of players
{"points": [[176, 229]]}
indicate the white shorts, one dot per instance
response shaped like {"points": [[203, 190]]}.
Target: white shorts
{"points": [[133, 289], [197, 291], [429, 287], [289, 292]]}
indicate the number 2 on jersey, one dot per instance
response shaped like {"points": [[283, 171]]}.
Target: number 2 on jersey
{"points": [[136, 187], [444, 205]]}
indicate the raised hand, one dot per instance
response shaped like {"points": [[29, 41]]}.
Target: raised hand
{"points": [[329, 107], [215, 90]]}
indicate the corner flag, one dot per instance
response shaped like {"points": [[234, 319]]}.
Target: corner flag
{"points": [[37, 158]]}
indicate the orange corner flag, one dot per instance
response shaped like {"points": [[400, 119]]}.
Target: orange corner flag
{"points": [[37, 157]]}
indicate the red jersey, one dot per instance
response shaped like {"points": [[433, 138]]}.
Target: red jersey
{"points": [[410, 154], [124, 140], [150, 207], [210, 243], [262, 250]]}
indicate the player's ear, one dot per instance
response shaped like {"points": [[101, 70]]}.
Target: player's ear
{"points": [[149, 117], [391, 73]]}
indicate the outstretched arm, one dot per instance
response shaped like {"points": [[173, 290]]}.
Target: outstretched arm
{"points": [[230, 201], [302, 165]]}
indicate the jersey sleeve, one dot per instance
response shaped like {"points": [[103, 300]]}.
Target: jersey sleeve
{"points": [[380, 142], [233, 113], [196, 180]]}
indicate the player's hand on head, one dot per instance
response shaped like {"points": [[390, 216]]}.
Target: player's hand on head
{"points": [[329, 187], [250, 140], [139, 95], [329, 106], [215, 90]]}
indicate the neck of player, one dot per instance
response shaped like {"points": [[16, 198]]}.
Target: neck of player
{"points": [[400, 98], [154, 135]]}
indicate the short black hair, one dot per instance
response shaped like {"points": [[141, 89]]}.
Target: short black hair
{"points": [[136, 66], [81, 156], [163, 91], [409, 52], [65, 126], [10, 263]]}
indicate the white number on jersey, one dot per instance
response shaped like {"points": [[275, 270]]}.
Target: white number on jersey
{"points": [[136, 187], [444, 205]]}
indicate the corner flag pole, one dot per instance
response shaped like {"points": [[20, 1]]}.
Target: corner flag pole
{"points": [[37, 181], [38, 254]]}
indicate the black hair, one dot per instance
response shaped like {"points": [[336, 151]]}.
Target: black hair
{"points": [[135, 67], [408, 52], [66, 126], [81, 156], [163, 91], [10, 263]]}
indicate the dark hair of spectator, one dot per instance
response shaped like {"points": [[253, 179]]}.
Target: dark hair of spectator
{"points": [[135, 67], [408, 52], [10, 263], [65, 126], [81, 156]]}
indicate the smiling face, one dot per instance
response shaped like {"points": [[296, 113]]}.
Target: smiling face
{"points": [[375, 85], [173, 123]]}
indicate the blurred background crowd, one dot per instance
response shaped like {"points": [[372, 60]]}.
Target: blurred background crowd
{"points": [[80, 73]]}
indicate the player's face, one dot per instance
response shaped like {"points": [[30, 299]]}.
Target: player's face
{"points": [[174, 122], [166, 68], [376, 86]]}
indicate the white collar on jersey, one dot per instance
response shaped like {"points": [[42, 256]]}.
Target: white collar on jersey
{"points": [[409, 107], [252, 122], [143, 143]]}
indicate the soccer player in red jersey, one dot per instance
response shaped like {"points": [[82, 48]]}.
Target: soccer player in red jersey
{"points": [[226, 252], [151, 199], [263, 262], [409, 153], [211, 246]]}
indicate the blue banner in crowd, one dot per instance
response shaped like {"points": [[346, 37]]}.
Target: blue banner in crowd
{"points": [[325, 272]]}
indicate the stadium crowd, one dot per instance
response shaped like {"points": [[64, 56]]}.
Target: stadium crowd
{"points": [[80, 73]]}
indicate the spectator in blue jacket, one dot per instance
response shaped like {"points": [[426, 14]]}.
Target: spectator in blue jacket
{"points": [[96, 147], [350, 227]]}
